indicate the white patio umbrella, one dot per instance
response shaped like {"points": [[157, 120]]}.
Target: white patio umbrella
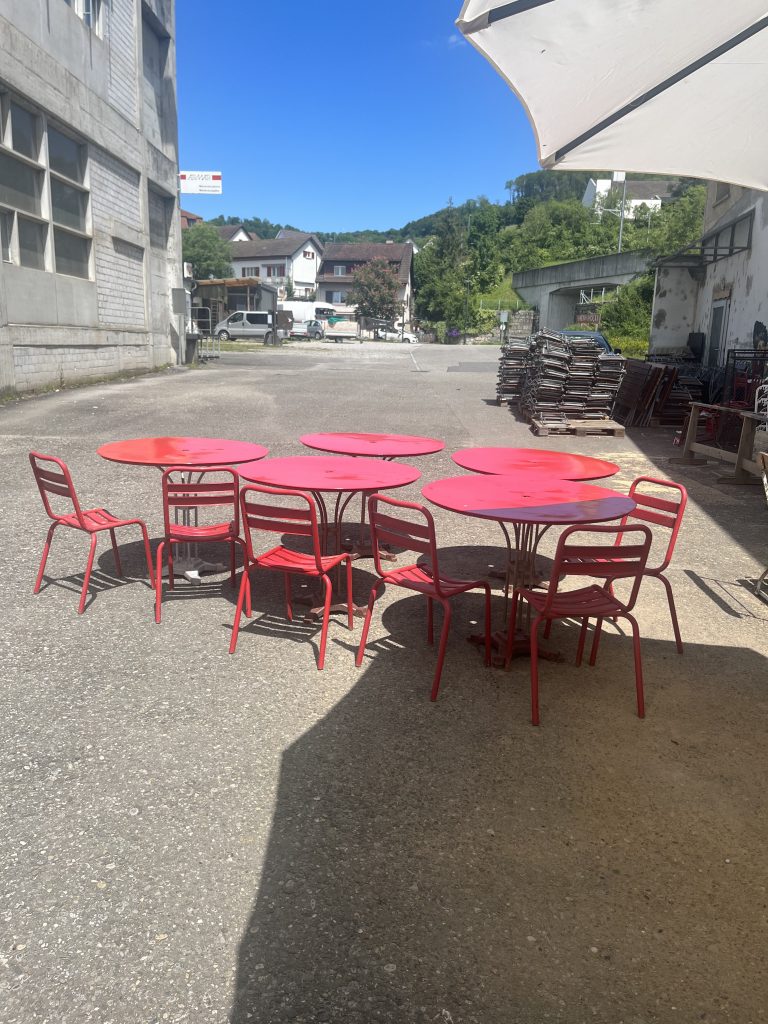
{"points": [[666, 86]]}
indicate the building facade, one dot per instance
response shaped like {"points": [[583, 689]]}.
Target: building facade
{"points": [[91, 245], [291, 259], [715, 293], [342, 259]]}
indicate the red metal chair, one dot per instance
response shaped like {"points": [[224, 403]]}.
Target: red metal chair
{"points": [[423, 577], [55, 482], [213, 487], [763, 461], [664, 512], [299, 520], [608, 561]]}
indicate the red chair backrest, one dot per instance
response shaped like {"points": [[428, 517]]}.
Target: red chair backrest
{"points": [[297, 520], [213, 487], [602, 559], [416, 533], [664, 512], [54, 481]]}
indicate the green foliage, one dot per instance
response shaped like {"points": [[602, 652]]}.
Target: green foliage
{"points": [[632, 348], [628, 311], [258, 225], [374, 290], [209, 254]]}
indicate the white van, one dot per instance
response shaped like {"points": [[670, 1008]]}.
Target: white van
{"points": [[246, 324]]}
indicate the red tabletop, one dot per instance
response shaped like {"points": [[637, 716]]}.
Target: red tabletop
{"points": [[376, 445], [528, 498], [329, 473], [182, 451], [558, 465]]}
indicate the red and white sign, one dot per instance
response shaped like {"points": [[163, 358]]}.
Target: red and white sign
{"points": [[201, 183]]}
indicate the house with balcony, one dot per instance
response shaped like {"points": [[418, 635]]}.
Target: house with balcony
{"points": [[712, 295], [342, 259], [293, 258]]}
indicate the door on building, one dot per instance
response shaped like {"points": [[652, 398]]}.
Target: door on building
{"points": [[718, 325]]}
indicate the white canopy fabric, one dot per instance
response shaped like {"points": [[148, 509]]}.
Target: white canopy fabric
{"points": [[665, 86]]}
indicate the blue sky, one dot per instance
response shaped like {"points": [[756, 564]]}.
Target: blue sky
{"points": [[341, 116]]}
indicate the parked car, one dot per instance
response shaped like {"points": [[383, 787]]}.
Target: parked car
{"points": [[395, 334], [248, 324], [312, 329], [596, 336]]}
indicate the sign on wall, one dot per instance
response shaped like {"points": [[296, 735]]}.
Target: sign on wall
{"points": [[201, 183]]}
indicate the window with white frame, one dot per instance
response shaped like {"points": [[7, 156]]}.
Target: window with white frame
{"points": [[339, 270], [250, 272], [308, 254], [44, 197], [275, 270], [90, 11]]}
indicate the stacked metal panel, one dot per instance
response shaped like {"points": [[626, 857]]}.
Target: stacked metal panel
{"points": [[512, 367], [570, 379]]}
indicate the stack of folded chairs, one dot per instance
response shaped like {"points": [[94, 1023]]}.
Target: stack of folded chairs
{"points": [[569, 379], [512, 367]]}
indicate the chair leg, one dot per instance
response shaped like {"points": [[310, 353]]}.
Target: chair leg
{"points": [[596, 641], [487, 624], [582, 638], [87, 580], [367, 623], [328, 586], [116, 553], [535, 671], [288, 596], [511, 629], [430, 621], [638, 666], [441, 648], [44, 559], [760, 582], [232, 564], [245, 588], [350, 602], [673, 612], [159, 581], [147, 553], [548, 630]]}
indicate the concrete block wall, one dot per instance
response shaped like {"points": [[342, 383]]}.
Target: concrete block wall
{"points": [[37, 367]]}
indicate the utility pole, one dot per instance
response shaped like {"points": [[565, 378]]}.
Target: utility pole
{"points": [[621, 176]]}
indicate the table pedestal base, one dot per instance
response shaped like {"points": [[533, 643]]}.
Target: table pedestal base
{"points": [[521, 647]]}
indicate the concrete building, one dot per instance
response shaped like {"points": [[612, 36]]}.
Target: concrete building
{"points": [[91, 245], [716, 289]]}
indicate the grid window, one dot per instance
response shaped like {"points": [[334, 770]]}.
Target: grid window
{"points": [[72, 253], [35, 198], [6, 227], [339, 271], [68, 205], [20, 184], [250, 272], [65, 156], [32, 243], [25, 132], [92, 13]]}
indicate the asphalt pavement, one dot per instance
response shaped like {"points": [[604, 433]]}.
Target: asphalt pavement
{"points": [[190, 836]]}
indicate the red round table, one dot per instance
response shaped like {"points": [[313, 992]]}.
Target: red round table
{"points": [[510, 461], [532, 503], [181, 451], [189, 453], [382, 446], [329, 473]]}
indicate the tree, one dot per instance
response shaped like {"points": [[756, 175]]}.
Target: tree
{"points": [[374, 290], [209, 254]]}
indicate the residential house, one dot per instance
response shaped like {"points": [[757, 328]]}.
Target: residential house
{"points": [[341, 260], [651, 193], [278, 261], [89, 226], [235, 233], [188, 220], [714, 292]]}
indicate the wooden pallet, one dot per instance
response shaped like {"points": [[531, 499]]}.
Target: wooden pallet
{"points": [[578, 427]]}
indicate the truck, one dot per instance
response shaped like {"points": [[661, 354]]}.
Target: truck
{"points": [[305, 310], [340, 327]]}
